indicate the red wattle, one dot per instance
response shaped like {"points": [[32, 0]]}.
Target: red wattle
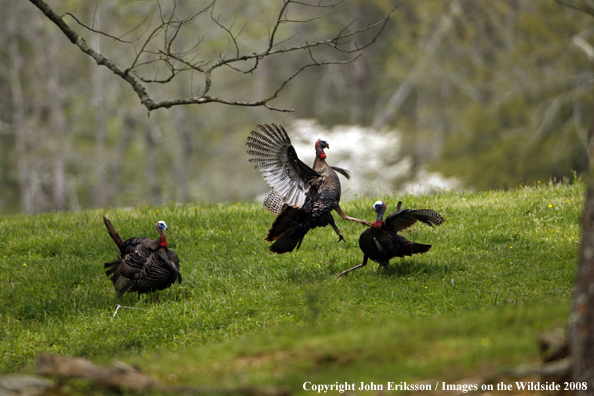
{"points": [[377, 223], [323, 155], [163, 241]]}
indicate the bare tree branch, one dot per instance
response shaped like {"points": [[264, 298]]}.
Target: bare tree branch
{"points": [[100, 59], [228, 31], [319, 4], [120, 39], [178, 62]]}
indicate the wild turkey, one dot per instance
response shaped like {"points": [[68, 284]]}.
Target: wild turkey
{"points": [[302, 197], [144, 265], [381, 242]]}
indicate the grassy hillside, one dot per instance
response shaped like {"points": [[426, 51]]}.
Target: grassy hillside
{"points": [[501, 269]]}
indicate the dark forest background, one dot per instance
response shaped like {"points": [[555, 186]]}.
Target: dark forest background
{"points": [[490, 95]]}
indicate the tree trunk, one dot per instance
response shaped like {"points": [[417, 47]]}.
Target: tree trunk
{"points": [[116, 161], [581, 319], [580, 331], [154, 191], [98, 94], [19, 128], [59, 134], [184, 131], [358, 75], [392, 108]]}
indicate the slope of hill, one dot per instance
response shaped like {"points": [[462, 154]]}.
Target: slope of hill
{"points": [[502, 269]]}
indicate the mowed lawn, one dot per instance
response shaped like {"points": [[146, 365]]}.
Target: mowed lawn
{"points": [[501, 270]]}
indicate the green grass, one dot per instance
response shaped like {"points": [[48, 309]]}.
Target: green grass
{"points": [[501, 269], [396, 348]]}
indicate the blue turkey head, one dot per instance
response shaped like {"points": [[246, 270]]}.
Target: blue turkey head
{"points": [[378, 206]]}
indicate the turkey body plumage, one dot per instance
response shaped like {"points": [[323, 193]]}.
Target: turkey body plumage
{"points": [[381, 242], [144, 265], [301, 197], [388, 245], [292, 224]]}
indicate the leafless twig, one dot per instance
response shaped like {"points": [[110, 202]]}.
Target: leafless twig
{"points": [[176, 62], [120, 38]]}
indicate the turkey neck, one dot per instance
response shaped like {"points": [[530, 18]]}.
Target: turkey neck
{"points": [[329, 177], [379, 219], [319, 164], [162, 240]]}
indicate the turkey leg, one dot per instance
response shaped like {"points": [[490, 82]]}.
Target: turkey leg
{"points": [[346, 217], [363, 264], [333, 224]]}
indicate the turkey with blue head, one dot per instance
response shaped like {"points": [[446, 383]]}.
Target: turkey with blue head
{"points": [[381, 242], [144, 265]]}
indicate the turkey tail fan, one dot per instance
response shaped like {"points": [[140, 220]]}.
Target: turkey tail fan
{"points": [[287, 242], [111, 267], [285, 234], [416, 248], [284, 223], [114, 234], [112, 271], [342, 171]]}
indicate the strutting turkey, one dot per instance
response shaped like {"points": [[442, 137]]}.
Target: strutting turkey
{"points": [[301, 197], [381, 241], [144, 265]]}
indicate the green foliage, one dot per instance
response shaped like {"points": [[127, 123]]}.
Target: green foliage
{"points": [[530, 109], [508, 158], [239, 304]]}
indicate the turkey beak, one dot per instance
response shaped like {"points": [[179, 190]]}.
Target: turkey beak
{"points": [[324, 144]]}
